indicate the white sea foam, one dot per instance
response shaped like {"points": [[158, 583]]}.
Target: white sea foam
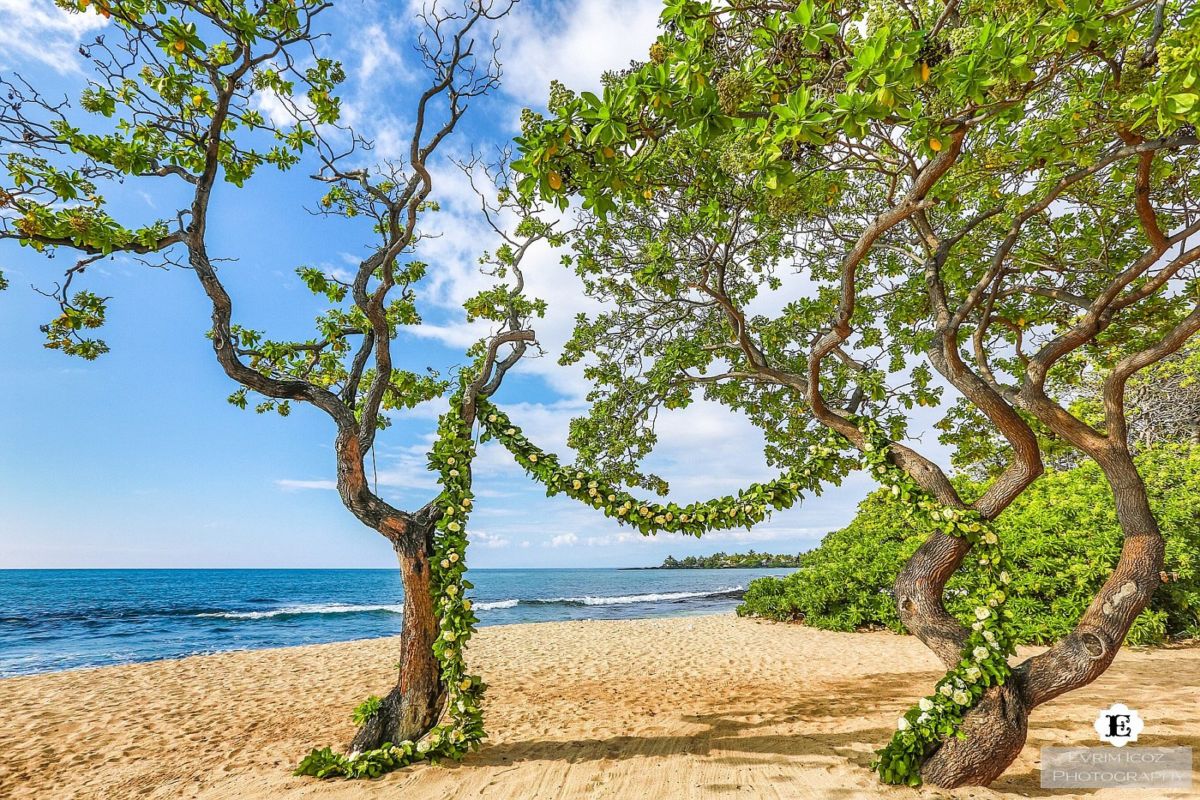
{"points": [[334, 608], [587, 600], [621, 600], [496, 604]]}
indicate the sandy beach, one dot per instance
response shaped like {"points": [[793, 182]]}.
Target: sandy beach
{"points": [[685, 707]]}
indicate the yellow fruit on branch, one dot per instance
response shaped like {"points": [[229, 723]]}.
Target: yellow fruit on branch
{"points": [[609, 152], [180, 45], [555, 181], [935, 144], [924, 72]]}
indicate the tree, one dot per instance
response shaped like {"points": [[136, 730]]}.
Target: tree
{"points": [[173, 106], [806, 210]]}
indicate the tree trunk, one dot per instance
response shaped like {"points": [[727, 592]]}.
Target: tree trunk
{"points": [[414, 705], [997, 726]]}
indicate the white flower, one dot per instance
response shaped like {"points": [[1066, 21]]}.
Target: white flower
{"points": [[491, 417], [925, 704], [1005, 577], [991, 637], [982, 613], [509, 431], [454, 526], [976, 626], [449, 636], [533, 458], [946, 690], [921, 720], [902, 724], [973, 674], [453, 473], [452, 589], [453, 557], [422, 747], [353, 754], [445, 563], [961, 697], [450, 460], [980, 653]]}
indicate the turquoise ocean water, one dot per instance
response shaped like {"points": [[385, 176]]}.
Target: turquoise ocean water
{"points": [[65, 619]]}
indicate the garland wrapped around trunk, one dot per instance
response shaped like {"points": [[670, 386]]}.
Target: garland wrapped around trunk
{"points": [[984, 661], [462, 727]]}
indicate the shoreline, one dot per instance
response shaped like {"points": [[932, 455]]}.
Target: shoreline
{"points": [[682, 706]]}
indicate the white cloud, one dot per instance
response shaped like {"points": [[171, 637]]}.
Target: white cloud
{"points": [[39, 31], [292, 485], [481, 538], [564, 540], [574, 42], [373, 44]]}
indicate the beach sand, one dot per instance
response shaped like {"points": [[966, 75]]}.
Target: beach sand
{"points": [[685, 707]]}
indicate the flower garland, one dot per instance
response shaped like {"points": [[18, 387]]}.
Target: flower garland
{"points": [[462, 729], [984, 661], [750, 506]]}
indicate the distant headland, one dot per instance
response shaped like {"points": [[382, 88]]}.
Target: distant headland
{"points": [[750, 560]]}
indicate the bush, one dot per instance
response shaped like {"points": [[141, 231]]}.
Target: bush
{"points": [[1061, 536]]}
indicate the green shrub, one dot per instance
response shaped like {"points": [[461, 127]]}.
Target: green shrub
{"points": [[1061, 536]]}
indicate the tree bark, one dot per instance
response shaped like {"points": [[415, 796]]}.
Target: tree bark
{"points": [[997, 726], [415, 704]]}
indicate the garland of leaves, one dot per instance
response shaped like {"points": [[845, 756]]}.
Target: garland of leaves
{"points": [[462, 730], [748, 507], [984, 660]]}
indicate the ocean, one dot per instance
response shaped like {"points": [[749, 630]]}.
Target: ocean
{"points": [[66, 619]]}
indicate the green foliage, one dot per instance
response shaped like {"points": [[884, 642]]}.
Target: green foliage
{"points": [[173, 98], [780, 78], [366, 709], [1061, 537], [85, 311], [722, 560]]}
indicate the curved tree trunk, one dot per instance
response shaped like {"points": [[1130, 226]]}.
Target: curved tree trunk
{"points": [[414, 705], [997, 726]]}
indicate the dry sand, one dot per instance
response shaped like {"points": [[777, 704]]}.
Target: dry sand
{"points": [[687, 707]]}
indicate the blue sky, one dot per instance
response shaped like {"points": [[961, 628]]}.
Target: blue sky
{"points": [[136, 460]]}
